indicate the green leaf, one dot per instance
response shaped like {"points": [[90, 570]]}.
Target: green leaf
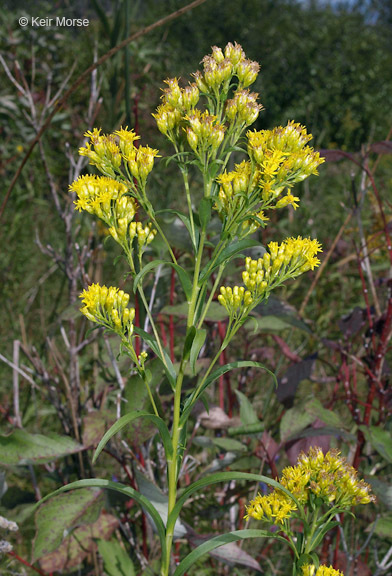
{"points": [[124, 420], [294, 421], [190, 336], [317, 410], [247, 412], [182, 275], [185, 220], [382, 527], [230, 553], [116, 561], [222, 477], [81, 507], [221, 540], [21, 448], [229, 444], [254, 428], [381, 440], [159, 501], [197, 344], [120, 488], [80, 543], [321, 532], [205, 212], [230, 251]]}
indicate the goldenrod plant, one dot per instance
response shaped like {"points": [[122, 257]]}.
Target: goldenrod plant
{"points": [[246, 174]]}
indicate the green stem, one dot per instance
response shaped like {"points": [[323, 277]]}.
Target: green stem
{"points": [[155, 331], [184, 173], [150, 395], [206, 307], [309, 538], [157, 226], [196, 287], [173, 464]]}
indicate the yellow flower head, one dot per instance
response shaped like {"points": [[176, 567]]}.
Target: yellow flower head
{"points": [[102, 152], [234, 53], [233, 186], [108, 307], [247, 72], [181, 99], [107, 199], [237, 301], [95, 194], [126, 139], [282, 158], [141, 162], [310, 570], [329, 477], [243, 107], [275, 507], [204, 132], [168, 119], [286, 260]]}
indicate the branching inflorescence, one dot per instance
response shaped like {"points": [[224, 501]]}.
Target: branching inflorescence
{"points": [[270, 163]]}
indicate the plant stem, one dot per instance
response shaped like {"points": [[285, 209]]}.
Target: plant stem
{"points": [[308, 540], [206, 307], [173, 464], [176, 427], [184, 173]]}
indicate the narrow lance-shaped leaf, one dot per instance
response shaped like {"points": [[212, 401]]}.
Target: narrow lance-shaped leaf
{"points": [[197, 344], [221, 540], [182, 275], [127, 419]]}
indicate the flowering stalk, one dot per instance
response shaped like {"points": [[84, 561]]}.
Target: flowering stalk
{"points": [[324, 486], [204, 138]]}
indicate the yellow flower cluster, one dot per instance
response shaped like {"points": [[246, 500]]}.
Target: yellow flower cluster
{"points": [[274, 507], [221, 66], [102, 151], [282, 158], [310, 570], [236, 301], [287, 260], [177, 103], [108, 199], [327, 476], [108, 151], [232, 200], [243, 108], [108, 307], [278, 159], [292, 257], [204, 132]]}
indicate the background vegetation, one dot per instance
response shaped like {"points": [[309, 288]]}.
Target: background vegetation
{"points": [[328, 66]]}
